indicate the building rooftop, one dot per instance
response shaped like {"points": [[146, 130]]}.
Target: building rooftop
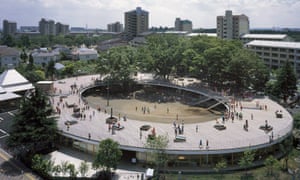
{"points": [[8, 51], [8, 96], [233, 139], [12, 81], [138, 10], [202, 34], [277, 44], [264, 36]]}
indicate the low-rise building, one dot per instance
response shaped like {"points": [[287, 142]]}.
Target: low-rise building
{"points": [[43, 56], [9, 57], [276, 53], [84, 53], [12, 87], [12, 81], [265, 37]]}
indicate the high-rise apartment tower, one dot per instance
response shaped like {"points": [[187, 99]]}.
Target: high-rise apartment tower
{"points": [[136, 22], [183, 25], [232, 26], [9, 28]]}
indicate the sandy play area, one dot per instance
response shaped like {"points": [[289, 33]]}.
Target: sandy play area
{"points": [[155, 112]]}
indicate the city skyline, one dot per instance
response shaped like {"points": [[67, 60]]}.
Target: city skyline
{"points": [[202, 13]]}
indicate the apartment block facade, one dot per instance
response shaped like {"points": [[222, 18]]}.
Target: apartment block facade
{"points": [[62, 28], [48, 27], [136, 22], [183, 25], [115, 27], [232, 26], [276, 53], [9, 27]]}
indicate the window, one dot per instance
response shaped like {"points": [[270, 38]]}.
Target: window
{"points": [[282, 55], [282, 50]]}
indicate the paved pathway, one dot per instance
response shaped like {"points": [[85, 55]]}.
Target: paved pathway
{"points": [[11, 169]]}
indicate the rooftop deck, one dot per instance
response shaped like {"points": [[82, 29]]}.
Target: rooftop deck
{"points": [[233, 139]]}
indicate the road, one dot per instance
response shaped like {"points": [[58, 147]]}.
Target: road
{"points": [[10, 168]]}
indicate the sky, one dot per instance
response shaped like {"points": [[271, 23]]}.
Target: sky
{"points": [[99, 13]]}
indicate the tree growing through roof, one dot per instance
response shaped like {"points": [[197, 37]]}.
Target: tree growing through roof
{"points": [[286, 148], [286, 84], [33, 128], [247, 160], [108, 155], [157, 155], [271, 164], [220, 166]]}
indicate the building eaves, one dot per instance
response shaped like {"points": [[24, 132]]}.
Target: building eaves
{"points": [[276, 44]]}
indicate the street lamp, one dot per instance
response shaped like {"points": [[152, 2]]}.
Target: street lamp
{"points": [[107, 88]]}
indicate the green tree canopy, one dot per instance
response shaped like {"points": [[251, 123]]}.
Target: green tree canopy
{"points": [[247, 159], [286, 84], [32, 127], [271, 163], [156, 153], [166, 52], [50, 70], [297, 120], [108, 155]]}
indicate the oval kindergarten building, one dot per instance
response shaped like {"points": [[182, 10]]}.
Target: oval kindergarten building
{"points": [[258, 124]]}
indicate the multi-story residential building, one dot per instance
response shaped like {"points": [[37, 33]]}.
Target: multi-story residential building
{"points": [[183, 25], [9, 57], [115, 27], [136, 22], [9, 27], [232, 26], [264, 37], [276, 53], [43, 56], [47, 27], [62, 28]]}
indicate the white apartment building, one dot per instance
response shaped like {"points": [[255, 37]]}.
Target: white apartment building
{"points": [[232, 26], [276, 53], [43, 56]]}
